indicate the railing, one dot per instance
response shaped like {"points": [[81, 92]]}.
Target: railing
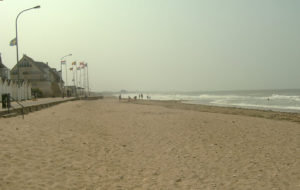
{"points": [[18, 104]]}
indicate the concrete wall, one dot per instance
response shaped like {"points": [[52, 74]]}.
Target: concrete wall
{"points": [[10, 87]]}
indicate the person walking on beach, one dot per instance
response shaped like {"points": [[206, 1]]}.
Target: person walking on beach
{"points": [[120, 97]]}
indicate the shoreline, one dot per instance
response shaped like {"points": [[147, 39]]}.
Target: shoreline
{"points": [[178, 104]]}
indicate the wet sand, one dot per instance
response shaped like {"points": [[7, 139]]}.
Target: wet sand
{"points": [[107, 144]]}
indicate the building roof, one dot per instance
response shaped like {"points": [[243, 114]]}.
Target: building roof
{"points": [[41, 66], [2, 66]]}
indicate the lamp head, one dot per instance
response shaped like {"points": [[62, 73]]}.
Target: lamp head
{"points": [[37, 7]]}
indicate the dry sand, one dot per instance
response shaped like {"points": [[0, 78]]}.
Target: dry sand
{"points": [[106, 144]]}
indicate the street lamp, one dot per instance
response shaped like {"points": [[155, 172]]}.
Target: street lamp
{"points": [[61, 73], [17, 44]]}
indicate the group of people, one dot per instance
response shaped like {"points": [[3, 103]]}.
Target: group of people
{"points": [[141, 96]]}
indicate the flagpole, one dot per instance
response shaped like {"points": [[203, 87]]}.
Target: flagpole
{"points": [[84, 80], [76, 79], [73, 75], [66, 74], [80, 80], [88, 81], [61, 81], [79, 76], [61, 84]]}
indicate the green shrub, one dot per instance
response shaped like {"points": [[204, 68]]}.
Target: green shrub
{"points": [[37, 92]]}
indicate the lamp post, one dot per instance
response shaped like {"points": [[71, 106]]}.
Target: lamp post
{"points": [[61, 73], [17, 44]]}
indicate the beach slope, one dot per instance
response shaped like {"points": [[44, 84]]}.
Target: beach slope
{"points": [[107, 144]]}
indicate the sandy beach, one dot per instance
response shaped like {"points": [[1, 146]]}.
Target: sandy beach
{"points": [[107, 144]]}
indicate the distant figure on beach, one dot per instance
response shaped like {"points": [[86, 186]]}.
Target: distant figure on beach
{"points": [[135, 97], [129, 98], [141, 96], [120, 97]]}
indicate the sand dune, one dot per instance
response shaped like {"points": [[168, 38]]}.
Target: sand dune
{"points": [[106, 144]]}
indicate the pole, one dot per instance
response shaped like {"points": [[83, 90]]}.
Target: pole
{"points": [[84, 80], [80, 80], [88, 81], [17, 45], [61, 84], [66, 74], [76, 79], [63, 87], [85, 86], [79, 77]]}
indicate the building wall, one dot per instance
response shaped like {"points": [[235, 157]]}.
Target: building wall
{"points": [[40, 78], [44, 86], [28, 73]]}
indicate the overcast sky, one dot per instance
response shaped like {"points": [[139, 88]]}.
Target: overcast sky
{"points": [[188, 45]]}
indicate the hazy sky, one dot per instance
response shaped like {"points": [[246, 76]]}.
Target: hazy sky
{"points": [[162, 44]]}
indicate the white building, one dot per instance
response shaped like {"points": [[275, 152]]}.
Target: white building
{"points": [[10, 87]]}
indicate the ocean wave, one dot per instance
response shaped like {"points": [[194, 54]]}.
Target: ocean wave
{"points": [[267, 106], [284, 97], [247, 105], [216, 97], [277, 101], [209, 96], [224, 103]]}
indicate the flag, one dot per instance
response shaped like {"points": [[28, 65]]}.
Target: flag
{"points": [[63, 62], [71, 69], [74, 63], [13, 42]]}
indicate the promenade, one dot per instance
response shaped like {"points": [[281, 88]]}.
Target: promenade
{"points": [[38, 103]]}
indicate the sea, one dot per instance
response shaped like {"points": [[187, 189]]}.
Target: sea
{"points": [[284, 100]]}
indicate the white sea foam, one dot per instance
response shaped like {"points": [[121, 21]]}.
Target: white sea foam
{"points": [[209, 96], [285, 97], [267, 106]]}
